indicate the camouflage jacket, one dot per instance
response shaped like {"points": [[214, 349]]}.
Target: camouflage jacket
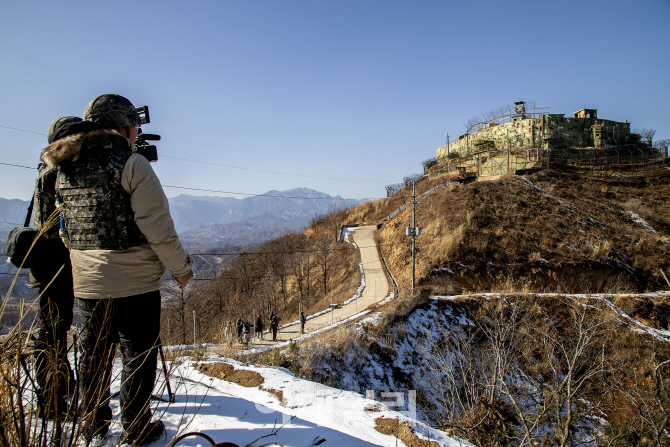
{"points": [[45, 200], [96, 208], [113, 273]]}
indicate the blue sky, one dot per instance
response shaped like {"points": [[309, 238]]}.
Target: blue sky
{"points": [[339, 96]]}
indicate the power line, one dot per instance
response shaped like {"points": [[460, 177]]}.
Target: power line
{"points": [[272, 172], [286, 252], [235, 167], [218, 191], [18, 166], [23, 130], [249, 194], [11, 223]]}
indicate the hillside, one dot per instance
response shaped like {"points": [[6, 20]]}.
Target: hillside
{"points": [[525, 364], [503, 369], [547, 232], [544, 232]]}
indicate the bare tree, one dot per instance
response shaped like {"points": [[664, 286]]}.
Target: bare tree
{"points": [[651, 400], [175, 305], [277, 261], [521, 375], [323, 258], [662, 146], [411, 179]]}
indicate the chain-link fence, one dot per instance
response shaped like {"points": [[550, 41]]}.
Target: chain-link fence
{"points": [[635, 160]]}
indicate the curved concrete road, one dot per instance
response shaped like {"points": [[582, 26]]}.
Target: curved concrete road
{"points": [[375, 290], [376, 285]]}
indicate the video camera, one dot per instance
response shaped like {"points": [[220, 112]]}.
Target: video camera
{"points": [[147, 150]]}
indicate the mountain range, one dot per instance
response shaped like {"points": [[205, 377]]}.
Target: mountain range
{"points": [[219, 220], [206, 222]]}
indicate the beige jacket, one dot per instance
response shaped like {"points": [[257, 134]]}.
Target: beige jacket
{"points": [[136, 270]]}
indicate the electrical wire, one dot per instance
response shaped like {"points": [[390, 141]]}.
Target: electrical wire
{"points": [[224, 192], [18, 166], [272, 172], [231, 166], [252, 194], [23, 130], [286, 252]]}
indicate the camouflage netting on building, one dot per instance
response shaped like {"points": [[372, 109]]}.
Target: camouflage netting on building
{"points": [[511, 140], [544, 131]]}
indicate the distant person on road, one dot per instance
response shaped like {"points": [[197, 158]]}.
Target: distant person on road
{"points": [[259, 327], [274, 325], [226, 332], [246, 333], [302, 323], [240, 328]]}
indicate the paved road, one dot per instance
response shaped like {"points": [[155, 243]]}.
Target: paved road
{"points": [[376, 289]]}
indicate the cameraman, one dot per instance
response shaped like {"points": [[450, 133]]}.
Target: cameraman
{"points": [[121, 236]]}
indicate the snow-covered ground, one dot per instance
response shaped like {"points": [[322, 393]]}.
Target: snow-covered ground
{"points": [[310, 414]]}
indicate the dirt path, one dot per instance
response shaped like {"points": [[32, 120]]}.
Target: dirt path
{"points": [[376, 289]]}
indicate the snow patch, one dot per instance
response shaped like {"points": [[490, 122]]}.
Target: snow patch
{"points": [[640, 221], [345, 235]]}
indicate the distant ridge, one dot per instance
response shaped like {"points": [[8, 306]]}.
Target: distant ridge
{"points": [[210, 221], [285, 210]]}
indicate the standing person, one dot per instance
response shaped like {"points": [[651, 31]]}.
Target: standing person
{"points": [[302, 323], [117, 224], [53, 276], [246, 330], [274, 325], [259, 327], [240, 328]]}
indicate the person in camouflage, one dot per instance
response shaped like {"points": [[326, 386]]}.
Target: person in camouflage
{"points": [[121, 236], [53, 276]]}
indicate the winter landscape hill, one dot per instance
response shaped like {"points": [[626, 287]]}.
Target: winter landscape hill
{"points": [[539, 295], [540, 317]]}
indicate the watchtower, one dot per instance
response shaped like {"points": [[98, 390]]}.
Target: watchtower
{"points": [[586, 113], [519, 111]]}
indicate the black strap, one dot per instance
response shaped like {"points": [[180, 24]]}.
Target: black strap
{"points": [[30, 211]]}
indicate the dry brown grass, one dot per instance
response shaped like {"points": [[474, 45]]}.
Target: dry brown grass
{"points": [[561, 233], [371, 212], [402, 431]]}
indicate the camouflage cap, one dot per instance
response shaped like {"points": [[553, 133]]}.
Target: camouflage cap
{"points": [[112, 111], [56, 124]]}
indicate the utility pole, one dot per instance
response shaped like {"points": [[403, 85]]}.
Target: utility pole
{"points": [[413, 231], [193, 329]]}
